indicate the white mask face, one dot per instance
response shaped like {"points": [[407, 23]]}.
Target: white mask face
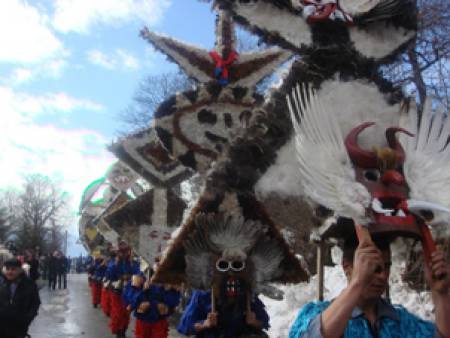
{"points": [[153, 241], [121, 176]]}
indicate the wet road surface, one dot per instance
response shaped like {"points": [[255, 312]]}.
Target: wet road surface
{"points": [[69, 314]]}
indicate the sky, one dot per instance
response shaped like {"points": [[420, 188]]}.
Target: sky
{"points": [[68, 68]]}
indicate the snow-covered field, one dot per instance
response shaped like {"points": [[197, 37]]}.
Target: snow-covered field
{"points": [[283, 313]]}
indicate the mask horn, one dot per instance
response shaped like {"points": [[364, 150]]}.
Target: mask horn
{"points": [[360, 157]]}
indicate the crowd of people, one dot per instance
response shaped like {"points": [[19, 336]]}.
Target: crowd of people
{"points": [[120, 289], [19, 291]]}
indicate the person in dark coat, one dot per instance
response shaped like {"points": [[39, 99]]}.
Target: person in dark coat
{"points": [[52, 267], [61, 270], [33, 262], [19, 300]]}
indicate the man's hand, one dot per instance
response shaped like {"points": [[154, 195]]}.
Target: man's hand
{"points": [[129, 308], [438, 268], [368, 259], [147, 285], [211, 320], [143, 307], [163, 309], [250, 319], [440, 290]]}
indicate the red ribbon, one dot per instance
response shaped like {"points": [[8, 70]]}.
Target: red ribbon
{"points": [[323, 13], [223, 63]]}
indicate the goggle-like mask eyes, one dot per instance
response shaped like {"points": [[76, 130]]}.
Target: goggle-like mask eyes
{"points": [[224, 266]]}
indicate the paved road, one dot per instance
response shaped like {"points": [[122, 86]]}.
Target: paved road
{"points": [[69, 314]]}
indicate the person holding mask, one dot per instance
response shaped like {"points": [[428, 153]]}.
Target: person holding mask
{"points": [[360, 310]]}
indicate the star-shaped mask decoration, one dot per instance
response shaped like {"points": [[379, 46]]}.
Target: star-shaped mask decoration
{"points": [[194, 126], [367, 29], [147, 222], [144, 153]]}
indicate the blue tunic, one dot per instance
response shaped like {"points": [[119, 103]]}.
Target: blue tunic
{"points": [[156, 295], [100, 271], [130, 294], [117, 269], [392, 322], [109, 267], [200, 305]]}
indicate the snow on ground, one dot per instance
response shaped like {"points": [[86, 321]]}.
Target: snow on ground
{"points": [[283, 313]]}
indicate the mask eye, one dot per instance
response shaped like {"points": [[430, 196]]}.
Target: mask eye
{"points": [[237, 265], [372, 175], [222, 265]]}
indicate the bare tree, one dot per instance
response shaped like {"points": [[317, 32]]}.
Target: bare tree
{"points": [[5, 226], [151, 92], [425, 66], [34, 211]]}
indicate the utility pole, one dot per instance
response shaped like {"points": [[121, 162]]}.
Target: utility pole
{"points": [[65, 243]]}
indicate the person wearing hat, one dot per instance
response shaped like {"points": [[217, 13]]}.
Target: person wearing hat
{"points": [[120, 273], [361, 311], [19, 300]]}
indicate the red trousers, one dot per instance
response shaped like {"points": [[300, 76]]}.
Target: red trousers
{"points": [[96, 292], [106, 301], [120, 317], [159, 329]]}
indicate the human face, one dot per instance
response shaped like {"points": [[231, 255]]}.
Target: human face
{"points": [[380, 279], [12, 273]]}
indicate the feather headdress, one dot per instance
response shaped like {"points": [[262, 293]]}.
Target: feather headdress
{"points": [[373, 185]]}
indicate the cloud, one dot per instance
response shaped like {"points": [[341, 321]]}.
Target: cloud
{"points": [[128, 60], [99, 58], [50, 69], [118, 59], [25, 36], [22, 107], [74, 157], [81, 15]]}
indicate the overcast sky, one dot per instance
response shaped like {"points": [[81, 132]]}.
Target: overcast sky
{"points": [[67, 69]]}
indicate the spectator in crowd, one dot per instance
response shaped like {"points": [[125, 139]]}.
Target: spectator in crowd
{"points": [[53, 270], [45, 263], [69, 264], [61, 270], [19, 300], [33, 262]]}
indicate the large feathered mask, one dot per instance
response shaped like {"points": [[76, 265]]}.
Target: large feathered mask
{"points": [[228, 249], [394, 186]]}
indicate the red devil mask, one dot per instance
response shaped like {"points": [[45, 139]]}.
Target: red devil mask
{"points": [[381, 171]]}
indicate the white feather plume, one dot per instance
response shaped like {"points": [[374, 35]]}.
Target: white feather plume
{"points": [[266, 258], [327, 174], [229, 232], [198, 258], [427, 163]]}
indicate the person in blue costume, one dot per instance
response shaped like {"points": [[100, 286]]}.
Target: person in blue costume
{"points": [[230, 318], [119, 274], [97, 280], [360, 310], [107, 285], [152, 307], [132, 290]]}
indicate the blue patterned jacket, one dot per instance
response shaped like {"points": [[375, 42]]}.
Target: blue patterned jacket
{"points": [[392, 322]]}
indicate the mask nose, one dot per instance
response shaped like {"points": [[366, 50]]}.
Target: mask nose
{"points": [[393, 177]]}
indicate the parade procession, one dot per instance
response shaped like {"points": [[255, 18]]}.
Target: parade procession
{"points": [[284, 210]]}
